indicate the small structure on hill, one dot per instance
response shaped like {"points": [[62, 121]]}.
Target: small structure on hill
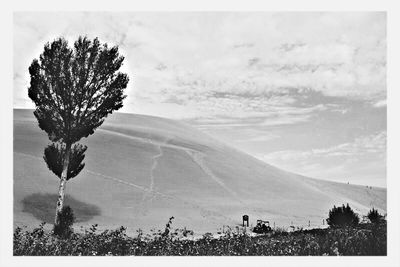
{"points": [[246, 219]]}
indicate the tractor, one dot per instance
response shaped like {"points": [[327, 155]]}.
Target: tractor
{"points": [[262, 227]]}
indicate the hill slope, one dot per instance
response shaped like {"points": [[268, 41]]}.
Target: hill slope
{"points": [[140, 170]]}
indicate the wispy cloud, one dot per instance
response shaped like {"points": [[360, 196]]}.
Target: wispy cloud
{"points": [[361, 146], [352, 156], [380, 103], [252, 53]]}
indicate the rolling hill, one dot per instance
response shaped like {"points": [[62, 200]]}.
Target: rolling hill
{"points": [[141, 170]]}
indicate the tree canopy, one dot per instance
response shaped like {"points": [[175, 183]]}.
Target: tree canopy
{"points": [[54, 156], [342, 216], [74, 89]]}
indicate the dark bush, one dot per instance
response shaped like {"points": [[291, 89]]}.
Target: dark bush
{"points": [[342, 216], [66, 220], [374, 216]]}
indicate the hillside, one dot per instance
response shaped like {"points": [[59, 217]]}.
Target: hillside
{"points": [[140, 170]]}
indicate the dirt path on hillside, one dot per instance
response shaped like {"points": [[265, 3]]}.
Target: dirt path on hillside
{"points": [[208, 215], [149, 194], [198, 158], [147, 140]]}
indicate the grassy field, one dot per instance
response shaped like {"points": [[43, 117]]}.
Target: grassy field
{"points": [[141, 170], [365, 239]]}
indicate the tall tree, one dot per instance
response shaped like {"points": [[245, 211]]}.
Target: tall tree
{"points": [[74, 89]]}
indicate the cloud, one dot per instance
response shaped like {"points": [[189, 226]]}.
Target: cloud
{"points": [[338, 54], [380, 104], [361, 146], [363, 158], [243, 45], [262, 137], [291, 46], [240, 111]]}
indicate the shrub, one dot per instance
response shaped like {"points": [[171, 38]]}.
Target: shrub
{"points": [[365, 239], [342, 216], [64, 227], [374, 216], [168, 227]]}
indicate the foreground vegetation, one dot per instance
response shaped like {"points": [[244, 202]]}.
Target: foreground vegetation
{"points": [[363, 239]]}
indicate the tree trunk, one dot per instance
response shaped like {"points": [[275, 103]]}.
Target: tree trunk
{"points": [[63, 182]]}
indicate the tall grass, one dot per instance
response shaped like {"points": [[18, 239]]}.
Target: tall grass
{"points": [[365, 239]]}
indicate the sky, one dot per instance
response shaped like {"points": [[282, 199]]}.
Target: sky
{"points": [[305, 92]]}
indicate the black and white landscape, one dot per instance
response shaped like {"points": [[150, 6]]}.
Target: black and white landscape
{"points": [[279, 116], [140, 170]]}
